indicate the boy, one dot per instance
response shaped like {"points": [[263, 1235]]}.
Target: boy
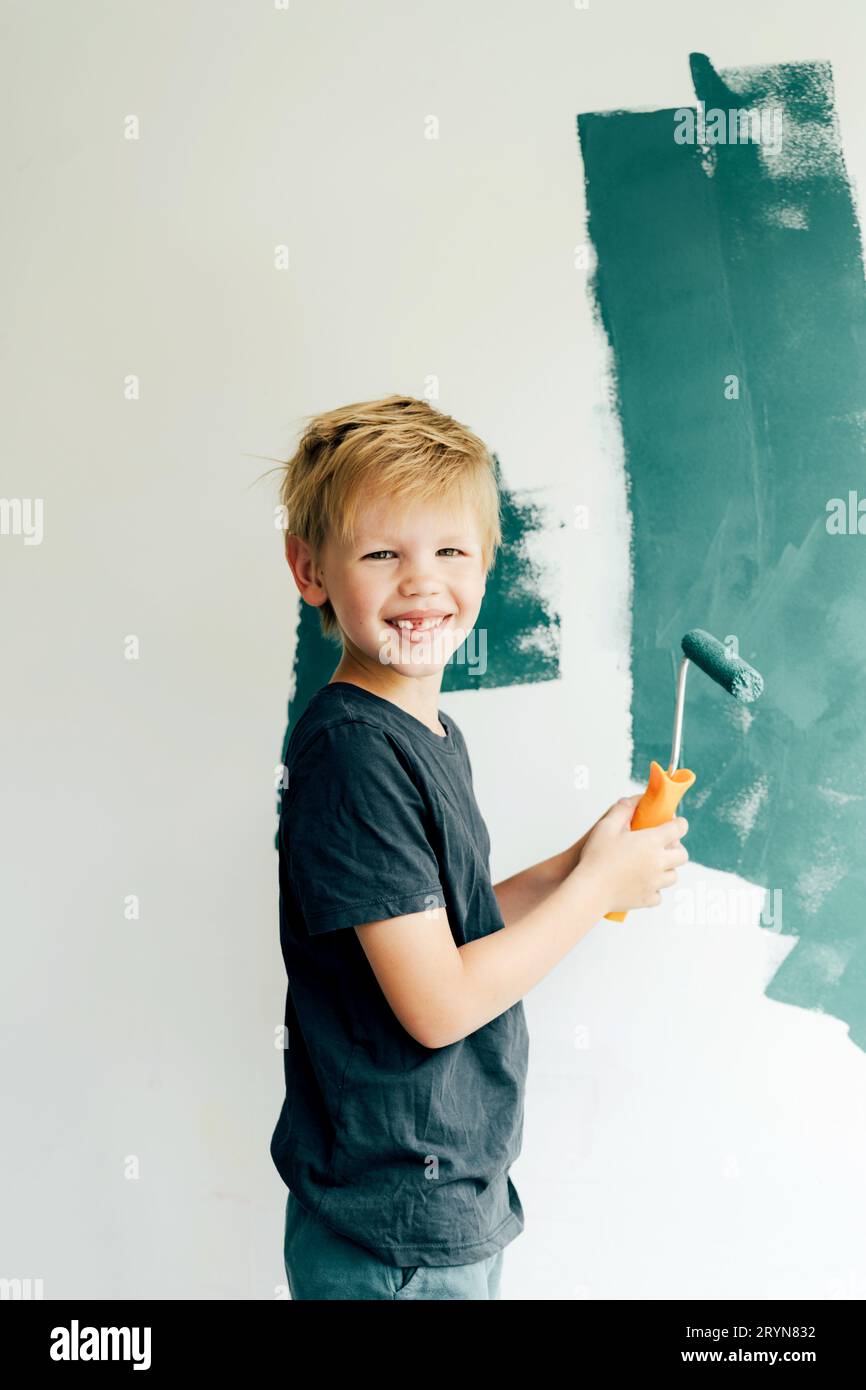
{"points": [[407, 1043]]}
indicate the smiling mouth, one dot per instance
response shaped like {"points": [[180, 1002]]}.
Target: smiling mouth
{"points": [[419, 625]]}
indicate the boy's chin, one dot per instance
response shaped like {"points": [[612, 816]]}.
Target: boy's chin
{"points": [[418, 658]]}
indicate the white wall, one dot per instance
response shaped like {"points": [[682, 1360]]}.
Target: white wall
{"points": [[701, 1140]]}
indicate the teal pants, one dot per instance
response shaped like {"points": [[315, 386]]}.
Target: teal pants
{"points": [[322, 1264]]}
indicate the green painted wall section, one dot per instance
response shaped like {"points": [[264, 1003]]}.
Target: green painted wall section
{"points": [[739, 260]]}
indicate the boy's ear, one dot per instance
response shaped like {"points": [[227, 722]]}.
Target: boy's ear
{"points": [[300, 560]]}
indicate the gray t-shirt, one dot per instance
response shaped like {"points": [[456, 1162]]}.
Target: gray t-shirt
{"points": [[404, 1149]]}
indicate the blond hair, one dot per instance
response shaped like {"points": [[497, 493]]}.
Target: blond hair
{"points": [[397, 447]]}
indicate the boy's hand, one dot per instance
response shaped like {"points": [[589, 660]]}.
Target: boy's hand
{"points": [[578, 847], [633, 865]]}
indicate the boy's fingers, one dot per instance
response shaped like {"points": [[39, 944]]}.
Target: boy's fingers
{"points": [[625, 806], [673, 829]]}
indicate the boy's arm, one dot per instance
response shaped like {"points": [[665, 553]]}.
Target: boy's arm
{"points": [[441, 992], [416, 961], [523, 891]]}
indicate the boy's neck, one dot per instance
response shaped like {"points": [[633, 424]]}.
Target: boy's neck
{"points": [[418, 696]]}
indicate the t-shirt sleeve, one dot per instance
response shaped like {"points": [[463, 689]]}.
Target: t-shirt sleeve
{"points": [[354, 830]]}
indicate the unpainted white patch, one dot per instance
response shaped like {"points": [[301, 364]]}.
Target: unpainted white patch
{"points": [[742, 813], [837, 798], [787, 216], [819, 879]]}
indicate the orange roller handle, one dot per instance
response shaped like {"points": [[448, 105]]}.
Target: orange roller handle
{"points": [[657, 805]]}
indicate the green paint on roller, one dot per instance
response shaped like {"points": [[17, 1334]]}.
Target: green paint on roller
{"points": [[516, 637], [730, 286], [732, 673]]}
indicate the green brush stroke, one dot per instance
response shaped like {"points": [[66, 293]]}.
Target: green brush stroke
{"points": [[757, 271], [522, 630]]}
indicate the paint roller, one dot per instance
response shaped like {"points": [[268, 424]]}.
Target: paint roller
{"points": [[665, 789]]}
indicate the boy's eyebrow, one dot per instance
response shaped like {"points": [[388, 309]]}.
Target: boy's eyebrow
{"points": [[368, 537]]}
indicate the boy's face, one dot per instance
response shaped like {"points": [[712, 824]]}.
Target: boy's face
{"points": [[425, 558]]}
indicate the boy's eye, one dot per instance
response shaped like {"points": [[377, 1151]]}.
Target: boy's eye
{"points": [[373, 553]]}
